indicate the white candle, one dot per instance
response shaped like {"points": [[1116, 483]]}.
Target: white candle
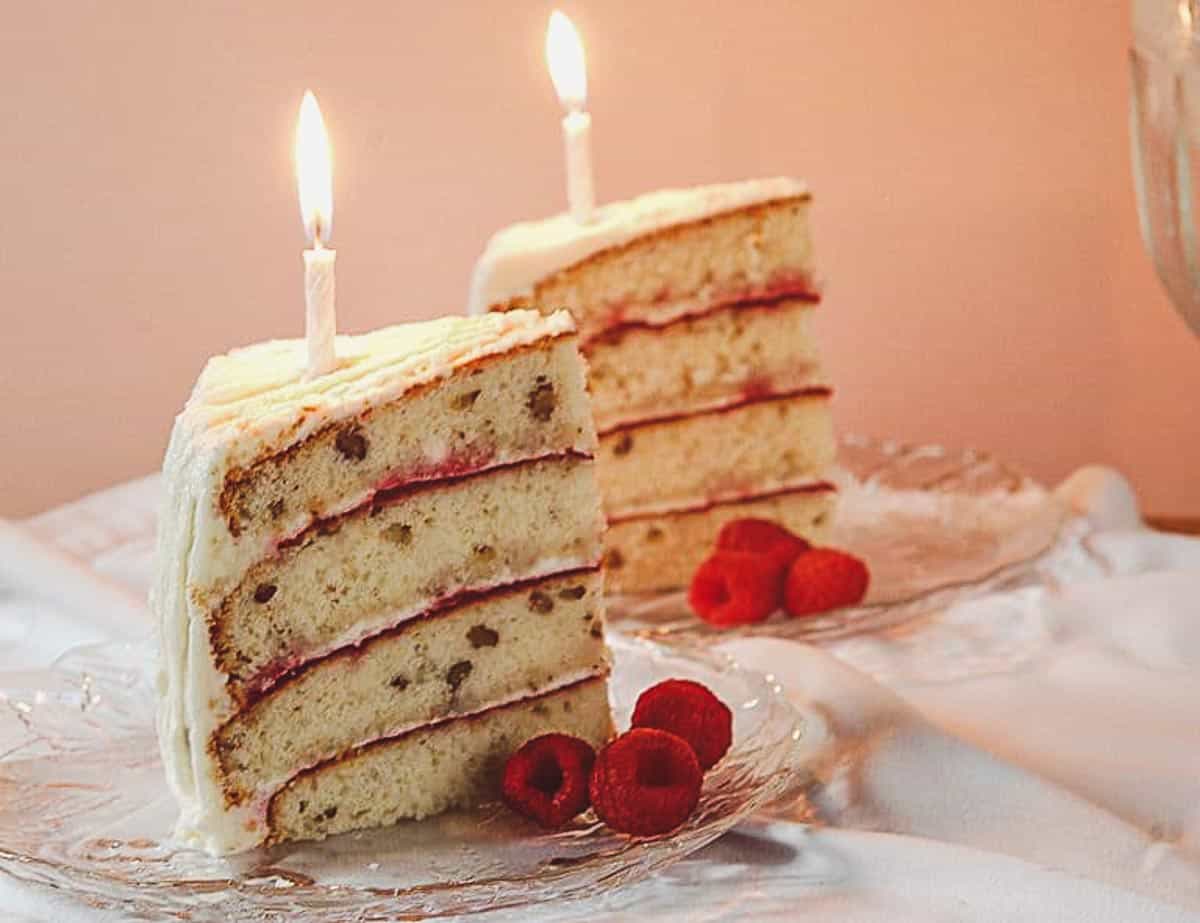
{"points": [[568, 70], [581, 196], [314, 176], [320, 314]]}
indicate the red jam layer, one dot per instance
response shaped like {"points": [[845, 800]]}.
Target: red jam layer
{"points": [[454, 465], [749, 397], [394, 489], [280, 673], [620, 316], [814, 487], [614, 332]]}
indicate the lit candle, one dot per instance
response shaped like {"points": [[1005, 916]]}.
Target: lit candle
{"points": [[314, 175], [564, 56]]}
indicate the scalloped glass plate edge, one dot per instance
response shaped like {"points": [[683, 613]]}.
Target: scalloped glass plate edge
{"points": [[760, 769], [936, 525]]}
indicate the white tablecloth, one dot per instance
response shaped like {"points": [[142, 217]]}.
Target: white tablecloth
{"points": [[1027, 756]]}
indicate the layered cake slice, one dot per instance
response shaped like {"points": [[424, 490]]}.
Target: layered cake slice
{"points": [[695, 311], [374, 586]]}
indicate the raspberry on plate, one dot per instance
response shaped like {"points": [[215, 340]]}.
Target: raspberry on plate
{"points": [[688, 710], [645, 782], [547, 779], [736, 588], [762, 536], [822, 579]]}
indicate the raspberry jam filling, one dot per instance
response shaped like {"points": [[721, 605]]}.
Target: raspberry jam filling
{"points": [[473, 458], [748, 398], [626, 313], [811, 487], [284, 670], [395, 488]]}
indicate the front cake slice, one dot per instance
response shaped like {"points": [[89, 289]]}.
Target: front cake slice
{"points": [[403, 550]]}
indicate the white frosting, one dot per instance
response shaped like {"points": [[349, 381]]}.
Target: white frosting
{"points": [[519, 256], [251, 399], [259, 394], [257, 400]]}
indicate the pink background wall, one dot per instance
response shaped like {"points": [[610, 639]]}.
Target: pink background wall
{"points": [[976, 224]]}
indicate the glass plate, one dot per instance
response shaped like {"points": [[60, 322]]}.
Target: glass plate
{"points": [[934, 525], [84, 808]]}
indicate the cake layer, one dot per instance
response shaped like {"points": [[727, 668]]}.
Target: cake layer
{"points": [[700, 363], [348, 578], [455, 764], [752, 447], [759, 251], [502, 645], [315, 439], [501, 408], [649, 553], [521, 254]]}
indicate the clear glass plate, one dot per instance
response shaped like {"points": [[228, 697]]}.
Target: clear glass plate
{"points": [[934, 525], [84, 808]]}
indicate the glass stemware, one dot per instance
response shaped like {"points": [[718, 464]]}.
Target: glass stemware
{"points": [[1165, 134]]}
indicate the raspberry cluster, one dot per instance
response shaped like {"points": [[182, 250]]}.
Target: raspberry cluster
{"points": [[645, 782], [758, 567]]}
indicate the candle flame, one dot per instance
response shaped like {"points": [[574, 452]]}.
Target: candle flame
{"points": [[314, 172], [564, 56]]}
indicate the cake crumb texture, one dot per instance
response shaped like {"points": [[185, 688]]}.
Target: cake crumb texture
{"points": [[458, 764], [509, 643]]}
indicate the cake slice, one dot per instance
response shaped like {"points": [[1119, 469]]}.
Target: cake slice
{"points": [[397, 560], [695, 311]]}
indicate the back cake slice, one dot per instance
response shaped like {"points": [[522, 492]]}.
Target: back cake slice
{"points": [[695, 313]]}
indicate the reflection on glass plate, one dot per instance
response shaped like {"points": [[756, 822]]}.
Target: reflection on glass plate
{"points": [[934, 525], [84, 808]]}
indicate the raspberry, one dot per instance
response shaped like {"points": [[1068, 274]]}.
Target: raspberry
{"points": [[688, 710], [762, 537], [646, 782], [736, 588], [822, 579], [547, 779]]}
